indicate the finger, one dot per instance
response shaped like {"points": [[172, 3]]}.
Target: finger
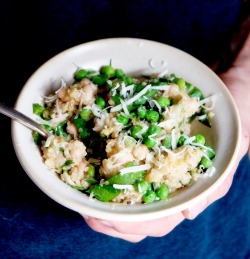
{"points": [[222, 190], [156, 228], [105, 228]]}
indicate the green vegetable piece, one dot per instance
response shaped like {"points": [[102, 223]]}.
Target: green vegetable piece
{"points": [[167, 142], [108, 71], [163, 102], [100, 101], [61, 129], [138, 88], [129, 80], [91, 170], [84, 133], [86, 114], [196, 92], [142, 186], [149, 196], [129, 142], [135, 130], [210, 152], [80, 74], [116, 98], [38, 109], [128, 178], [67, 165], [141, 112], [154, 130], [181, 83], [149, 142], [200, 139], [181, 141], [119, 73], [37, 138], [122, 119], [152, 116], [81, 124], [151, 93], [104, 192], [206, 163], [99, 80], [162, 192], [140, 101]]}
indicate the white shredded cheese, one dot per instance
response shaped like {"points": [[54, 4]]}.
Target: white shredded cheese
{"points": [[48, 140], [131, 100], [133, 169], [53, 121], [174, 141], [124, 187], [124, 107]]}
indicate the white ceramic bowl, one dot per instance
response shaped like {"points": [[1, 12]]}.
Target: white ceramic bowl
{"points": [[134, 56]]}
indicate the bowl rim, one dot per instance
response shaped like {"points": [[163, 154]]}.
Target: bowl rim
{"points": [[112, 214]]}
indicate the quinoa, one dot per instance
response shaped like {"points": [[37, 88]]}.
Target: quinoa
{"points": [[125, 139]]}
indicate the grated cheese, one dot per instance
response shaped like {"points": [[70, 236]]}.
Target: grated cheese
{"points": [[124, 187], [131, 100], [133, 169]]}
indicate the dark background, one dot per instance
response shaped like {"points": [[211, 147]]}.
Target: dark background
{"points": [[32, 225]]}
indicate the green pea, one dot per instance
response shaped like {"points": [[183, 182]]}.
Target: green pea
{"points": [[99, 80], [181, 83], [122, 119], [141, 112], [163, 102], [119, 73], [154, 129], [167, 142], [84, 132], [151, 93], [116, 98], [135, 130], [200, 139], [196, 92], [86, 114], [108, 71], [140, 101], [210, 152], [142, 186], [181, 141], [80, 74], [131, 107], [100, 101], [129, 80], [149, 142], [79, 122], [91, 170], [152, 116], [162, 192], [149, 196], [129, 142], [206, 163]]}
